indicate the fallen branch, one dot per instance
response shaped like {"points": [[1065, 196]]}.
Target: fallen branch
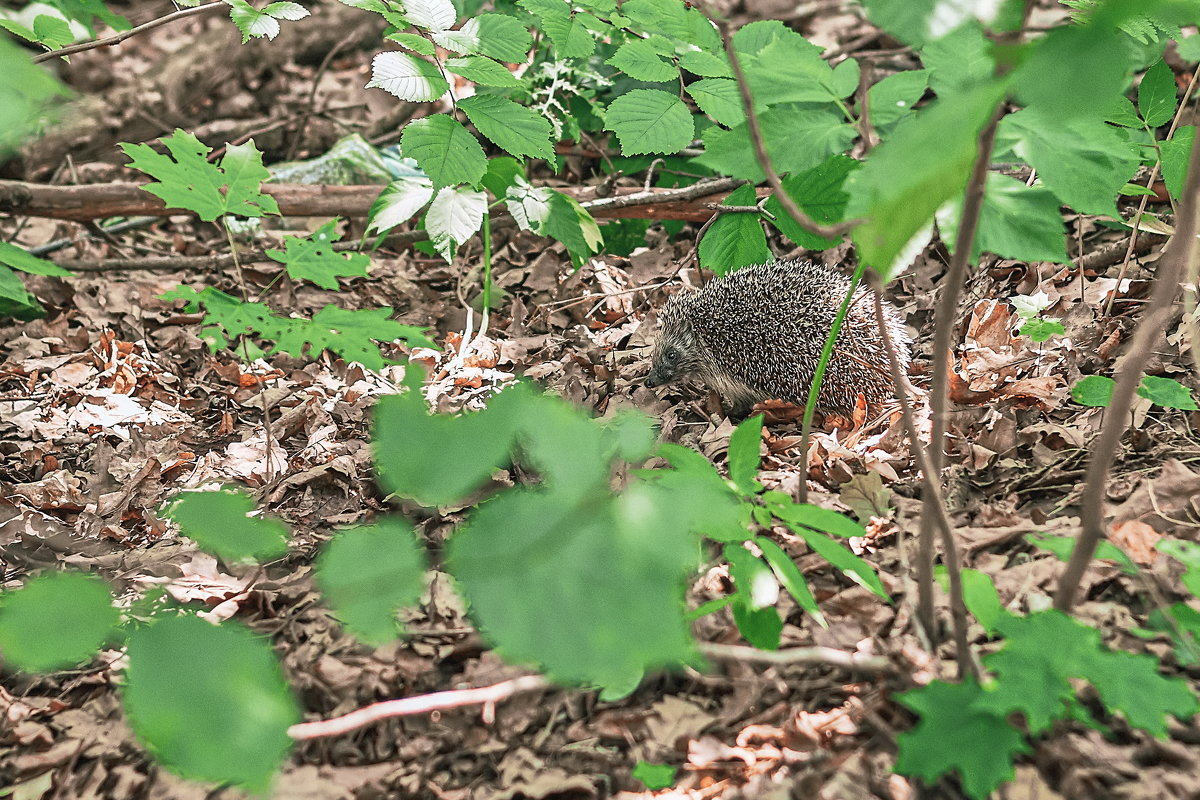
{"points": [[101, 200], [816, 656]]}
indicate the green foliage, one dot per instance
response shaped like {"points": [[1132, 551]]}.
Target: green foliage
{"points": [[1040, 330], [258, 23], [1061, 547], [735, 239], [209, 702], [367, 573], [1166, 392], [655, 776], [218, 522], [965, 727], [311, 258], [1094, 390], [55, 620], [185, 179], [348, 334]]}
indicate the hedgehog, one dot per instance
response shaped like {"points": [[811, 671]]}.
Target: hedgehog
{"points": [[757, 333]]}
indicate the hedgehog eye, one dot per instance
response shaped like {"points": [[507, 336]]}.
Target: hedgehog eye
{"points": [[672, 355]]}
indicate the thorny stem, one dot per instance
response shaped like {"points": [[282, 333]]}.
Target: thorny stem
{"points": [[1180, 259], [967, 664], [943, 331]]}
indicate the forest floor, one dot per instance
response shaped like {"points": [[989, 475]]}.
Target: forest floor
{"points": [[112, 404]]}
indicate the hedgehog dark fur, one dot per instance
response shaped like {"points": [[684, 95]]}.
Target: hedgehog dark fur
{"points": [[757, 334]]}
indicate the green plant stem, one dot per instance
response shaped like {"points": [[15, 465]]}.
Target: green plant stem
{"points": [[1181, 259], [814, 388], [487, 272]]}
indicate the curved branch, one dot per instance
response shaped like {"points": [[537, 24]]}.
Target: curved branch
{"points": [[111, 41]]}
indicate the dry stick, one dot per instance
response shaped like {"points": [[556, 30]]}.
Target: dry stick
{"points": [[1181, 256], [943, 330], [488, 695], [111, 41], [967, 664], [816, 656], [1137, 218], [423, 704]]}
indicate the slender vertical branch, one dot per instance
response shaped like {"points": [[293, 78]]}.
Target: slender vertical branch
{"points": [[967, 664], [1180, 260]]}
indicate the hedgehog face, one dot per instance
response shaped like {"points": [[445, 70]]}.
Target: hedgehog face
{"points": [[677, 354]]}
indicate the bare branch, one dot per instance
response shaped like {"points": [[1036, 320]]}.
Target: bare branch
{"points": [[110, 41]]}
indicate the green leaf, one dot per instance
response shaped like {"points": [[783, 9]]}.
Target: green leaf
{"points": [[1094, 390], [585, 625], [398, 203], [694, 491], [502, 172], [910, 175], [415, 42], [1186, 553], [500, 37], [720, 99], [407, 77], [58, 619], [571, 39], [735, 239], [367, 573], [209, 702], [454, 216], [814, 517], [979, 595], [1131, 683], [1122, 112], [744, 445], [893, 98], [649, 121], [1062, 546], [753, 606], [1101, 60], [1156, 95], [953, 735], [790, 576], [639, 59], [438, 459], [798, 137], [1167, 393], [312, 258], [959, 61], [788, 69], [708, 65], [1040, 330], [673, 19], [519, 130], [654, 776], [22, 259], [186, 180], [1016, 221], [1176, 153], [52, 31], [839, 556], [434, 15], [218, 522], [547, 212], [483, 71], [820, 193], [445, 150], [1084, 162]]}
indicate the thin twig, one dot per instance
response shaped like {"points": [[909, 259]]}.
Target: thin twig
{"points": [[967, 664], [423, 704], [1179, 260], [116, 39], [817, 656]]}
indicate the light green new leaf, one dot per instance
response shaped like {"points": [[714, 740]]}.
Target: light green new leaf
{"points": [[1016, 221], [1094, 390], [514, 128], [910, 175], [639, 59], [445, 150], [649, 121], [407, 77], [744, 445], [398, 203], [209, 702], [483, 71], [791, 578], [499, 36], [22, 259], [720, 99], [1167, 393], [186, 180], [1156, 95], [311, 258], [218, 522], [455, 215], [367, 573], [59, 619]]}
